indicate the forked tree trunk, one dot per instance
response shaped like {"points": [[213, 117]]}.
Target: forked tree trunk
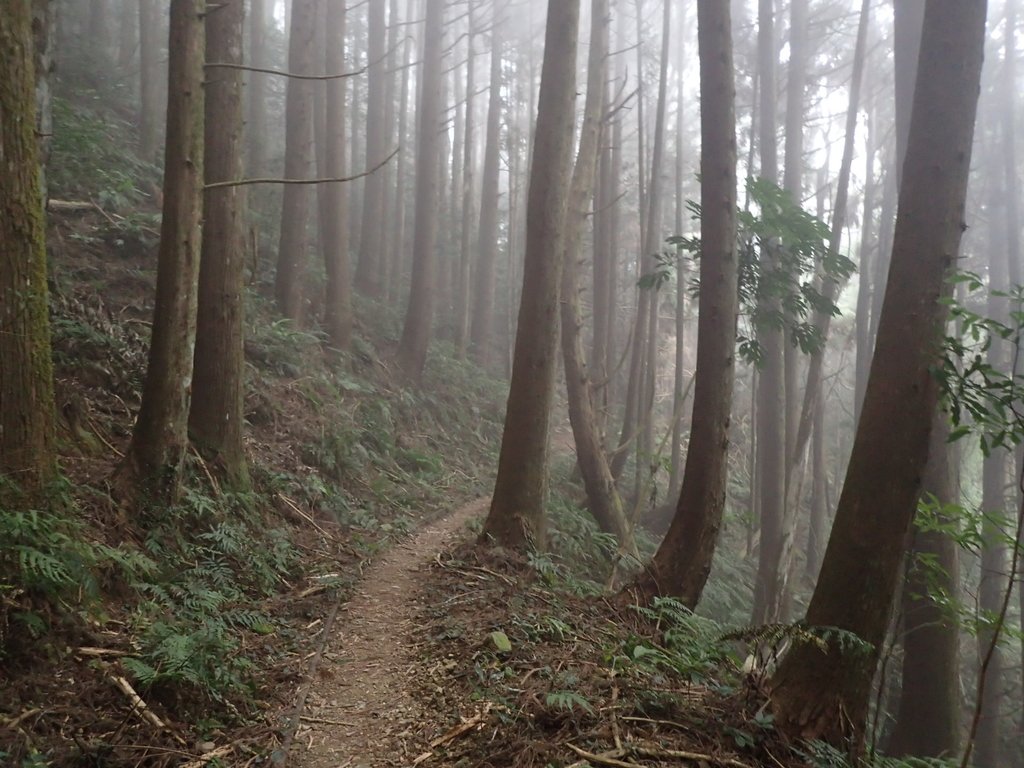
{"points": [[153, 464], [602, 497], [516, 518], [27, 460], [818, 694], [298, 163], [412, 351], [683, 561], [216, 413]]}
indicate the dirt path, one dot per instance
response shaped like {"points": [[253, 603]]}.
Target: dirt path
{"points": [[360, 712]]}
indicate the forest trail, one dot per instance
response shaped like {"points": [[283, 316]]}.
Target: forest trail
{"points": [[360, 711]]}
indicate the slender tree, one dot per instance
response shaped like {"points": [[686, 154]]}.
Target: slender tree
{"points": [[152, 466], [516, 517], [819, 694], [412, 350], [218, 389], [27, 460], [256, 93], [298, 163], [149, 75], [367, 269], [338, 291], [482, 322], [683, 561]]}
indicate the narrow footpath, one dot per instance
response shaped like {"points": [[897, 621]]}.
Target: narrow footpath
{"points": [[360, 712]]}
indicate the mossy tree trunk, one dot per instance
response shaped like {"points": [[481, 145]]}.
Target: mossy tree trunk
{"points": [[683, 561], [819, 694], [216, 414], [27, 459], [516, 517], [153, 463]]}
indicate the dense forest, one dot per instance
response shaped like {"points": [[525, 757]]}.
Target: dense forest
{"points": [[511, 383]]}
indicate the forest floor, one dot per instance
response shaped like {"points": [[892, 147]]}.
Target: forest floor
{"points": [[360, 710]]}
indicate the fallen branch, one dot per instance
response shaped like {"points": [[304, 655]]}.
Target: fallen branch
{"points": [[461, 729], [605, 758], [14, 722], [210, 756], [661, 753], [99, 653], [325, 721], [140, 707]]}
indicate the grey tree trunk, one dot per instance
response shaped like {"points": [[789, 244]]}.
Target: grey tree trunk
{"points": [[153, 464], [683, 561], [292, 256], [412, 351], [516, 518], [819, 694], [216, 414]]}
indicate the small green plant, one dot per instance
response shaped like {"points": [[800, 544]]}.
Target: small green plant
{"points": [[568, 701]]}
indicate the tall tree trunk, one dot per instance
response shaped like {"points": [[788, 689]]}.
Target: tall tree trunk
{"points": [[646, 464], [389, 207], [792, 182], [678, 391], [153, 464], [396, 269], [338, 292], [367, 268], [27, 452], [683, 561], [863, 317], [412, 351], [256, 113], [216, 417], [830, 287], [149, 76], [289, 287], [44, 33], [818, 694], [817, 529], [769, 586], [463, 294], [516, 517], [487, 252], [602, 497], [928, 719]]}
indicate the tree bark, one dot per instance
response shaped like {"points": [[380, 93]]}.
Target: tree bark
{"points": [[256, 112], [338, 291], [928, 718], [769, 586], [683, 561], [216, 419], [298, 162], [602, 497], [154, 461], [825, 695], [27, 451], [412, 351], [516, 518], [367, 268], [149, 76], [481, 339]]}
